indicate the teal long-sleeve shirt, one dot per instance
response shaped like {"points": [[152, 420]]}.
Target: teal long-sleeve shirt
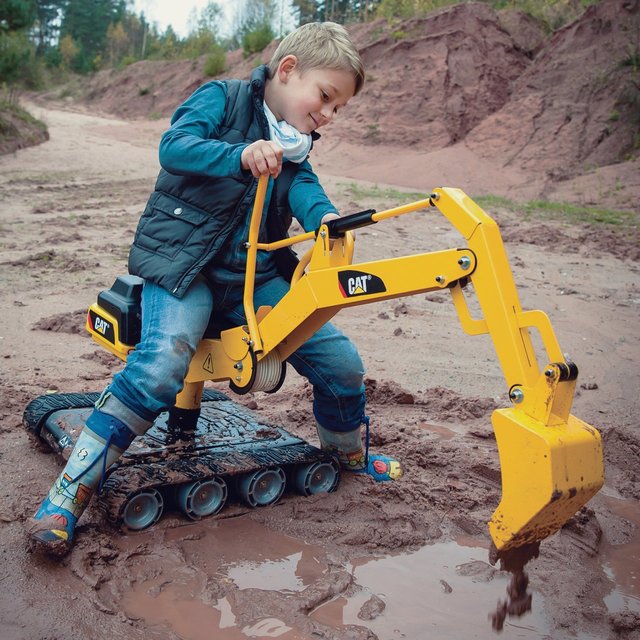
{"points": [[191, 147]]}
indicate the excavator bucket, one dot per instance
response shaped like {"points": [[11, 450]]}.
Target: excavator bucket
{"points": [[548, 474]]}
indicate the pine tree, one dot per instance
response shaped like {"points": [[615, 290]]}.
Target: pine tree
{"points": [[87, 23]]}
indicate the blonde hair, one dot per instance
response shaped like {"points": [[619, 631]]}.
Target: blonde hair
{"points": [[321, 45]]}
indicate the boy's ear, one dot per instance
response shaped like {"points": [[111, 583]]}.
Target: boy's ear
{"points": [[286, 67]]}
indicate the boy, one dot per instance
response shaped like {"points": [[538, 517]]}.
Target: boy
{"points": [[189, 248]]}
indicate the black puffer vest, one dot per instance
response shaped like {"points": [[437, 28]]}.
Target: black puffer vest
{"points": [[188, 219]]}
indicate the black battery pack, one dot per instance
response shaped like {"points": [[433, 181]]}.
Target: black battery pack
{"points": [[122, 301]]}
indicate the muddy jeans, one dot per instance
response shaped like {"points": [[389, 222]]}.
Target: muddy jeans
{"points": [[172, 328]]}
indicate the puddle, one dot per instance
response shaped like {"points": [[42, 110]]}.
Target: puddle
{"points": [[443, 590], [281, 575], [621, 563], [200, 590], [185, 594], [235, 579]]}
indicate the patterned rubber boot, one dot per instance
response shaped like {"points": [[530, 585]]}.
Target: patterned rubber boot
{"points": [[101, 443], [347, 447]]}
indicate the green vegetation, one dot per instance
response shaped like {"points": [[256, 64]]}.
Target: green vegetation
{"points": [[561, 211], [10, 109], [18, 127], [257, 39], [533, 209], [372, 133], [45, 42], [552, 13], [215, 62], [396, 197]]}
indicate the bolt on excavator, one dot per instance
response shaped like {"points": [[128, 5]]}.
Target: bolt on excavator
{"points": [[208, 447]]}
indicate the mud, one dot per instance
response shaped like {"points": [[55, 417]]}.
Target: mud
{"points": [[519, 600], [322, 566]]}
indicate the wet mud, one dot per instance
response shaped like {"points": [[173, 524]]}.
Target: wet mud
{"points": [[519, 600]]}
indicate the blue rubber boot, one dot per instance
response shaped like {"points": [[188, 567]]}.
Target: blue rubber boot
{"points": [[347, 447], [101, 443], [382, 468]]}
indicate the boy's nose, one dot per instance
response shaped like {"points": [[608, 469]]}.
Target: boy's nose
{"points": [[327, 113]]}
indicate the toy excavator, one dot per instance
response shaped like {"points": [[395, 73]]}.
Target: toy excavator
{"points": [[208, 447]]}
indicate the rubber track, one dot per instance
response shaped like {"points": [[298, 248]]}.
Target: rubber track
{"points": [[40, 408]]}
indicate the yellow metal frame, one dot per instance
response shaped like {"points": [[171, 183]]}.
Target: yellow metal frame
{"points": [[551, 462]]}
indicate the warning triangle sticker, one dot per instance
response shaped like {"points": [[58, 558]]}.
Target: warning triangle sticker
{"points": [[208, 364]]}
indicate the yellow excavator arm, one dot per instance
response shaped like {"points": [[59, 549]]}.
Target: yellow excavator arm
{"points": [[551, 462]]}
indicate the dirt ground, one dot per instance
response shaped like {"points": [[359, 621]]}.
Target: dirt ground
{"points": [[401, 560]]}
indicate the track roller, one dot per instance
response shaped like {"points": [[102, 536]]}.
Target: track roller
{"points": [[263, 487], [143, 509], [202, 498], [316, 477]]}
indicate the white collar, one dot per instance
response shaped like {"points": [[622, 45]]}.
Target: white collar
{"points": [[296, 145]]}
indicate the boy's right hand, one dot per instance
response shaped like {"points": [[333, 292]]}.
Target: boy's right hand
{"points": [[262, 157]]}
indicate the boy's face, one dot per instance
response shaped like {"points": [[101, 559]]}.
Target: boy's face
{"points": [[310, 99]]}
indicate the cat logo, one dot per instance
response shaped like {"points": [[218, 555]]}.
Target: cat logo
{"points": [[101, 325], [359, 283]]}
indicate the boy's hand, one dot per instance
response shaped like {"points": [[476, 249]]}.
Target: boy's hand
{"points": [[262, 157]]}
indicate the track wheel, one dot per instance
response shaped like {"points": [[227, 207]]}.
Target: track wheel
{"points": [[316, 477], [142, 509], [202, 498], [262, 487]]}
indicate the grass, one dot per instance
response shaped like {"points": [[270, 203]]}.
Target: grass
{"points": [[563, 211], [15, 110], [362, 193], [533, 209]]}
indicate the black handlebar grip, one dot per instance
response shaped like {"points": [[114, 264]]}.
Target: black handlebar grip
{"points": [[338, 226]]}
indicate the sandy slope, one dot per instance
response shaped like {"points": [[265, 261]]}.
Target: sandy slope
{"points": [[351, 564]]}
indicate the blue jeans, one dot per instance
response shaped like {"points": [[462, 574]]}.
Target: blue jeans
{"points": [[172, 328]]}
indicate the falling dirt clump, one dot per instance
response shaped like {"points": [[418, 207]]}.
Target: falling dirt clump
{"points": [[41, 258], [102, 357], [625, 624], [518, 600], [528, 33]]}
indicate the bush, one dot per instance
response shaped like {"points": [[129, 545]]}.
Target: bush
{"points": [[15, 54], [215, 62], [257, 39]]}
